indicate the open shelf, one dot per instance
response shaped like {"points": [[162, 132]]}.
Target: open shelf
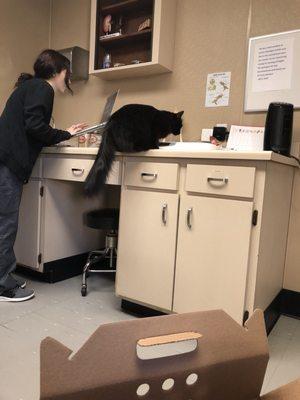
{"points": [[132, 44], [124, 6], [131, 70], [133, 52], [126, 38]]}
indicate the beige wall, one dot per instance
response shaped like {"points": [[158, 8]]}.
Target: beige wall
{"points": [[211, 36], [282, 16], [209, 26], [271, 16], [24, 32]]}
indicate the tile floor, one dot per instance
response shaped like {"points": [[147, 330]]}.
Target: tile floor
{"points": [[59, 311]]}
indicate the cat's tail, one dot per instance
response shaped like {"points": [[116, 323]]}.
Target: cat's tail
{"points": [[102, 165]]}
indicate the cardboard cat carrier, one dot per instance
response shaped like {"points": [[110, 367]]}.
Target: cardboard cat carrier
{"points": [[194, 356]]}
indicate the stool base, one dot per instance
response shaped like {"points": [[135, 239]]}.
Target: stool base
{"points": [[94, 257]]}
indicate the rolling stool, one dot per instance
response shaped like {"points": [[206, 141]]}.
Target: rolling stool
{"points": [[106, 219]]}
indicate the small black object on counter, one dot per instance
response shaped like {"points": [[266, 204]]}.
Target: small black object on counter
{"points": [[220, 133], [279, 128]]}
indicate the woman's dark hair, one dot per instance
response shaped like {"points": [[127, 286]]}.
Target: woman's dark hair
{"points": [[48, 63]]}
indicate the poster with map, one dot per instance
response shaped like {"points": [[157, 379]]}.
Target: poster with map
{"points": [[217, 89]]}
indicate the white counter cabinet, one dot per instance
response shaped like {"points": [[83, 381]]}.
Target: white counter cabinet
{"points": [[201, 234], [199, 229], [51, 224]]}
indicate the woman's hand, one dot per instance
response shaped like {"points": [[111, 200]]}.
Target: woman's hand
{"points": [[76, 128]]}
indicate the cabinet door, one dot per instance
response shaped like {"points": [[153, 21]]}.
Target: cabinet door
{"points": [[147, 243], [27, 246], [212, 255], [63, 232]]}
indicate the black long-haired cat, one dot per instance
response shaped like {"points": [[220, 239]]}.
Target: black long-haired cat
{"points": [[134, 127]]}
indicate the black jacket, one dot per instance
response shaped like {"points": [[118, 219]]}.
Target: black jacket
{"points": [[24, 126]]}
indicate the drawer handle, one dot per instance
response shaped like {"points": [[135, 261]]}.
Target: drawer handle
{"points": [[148, 175], [164, 213], [189, 217], [221, 180], [77, 171]]}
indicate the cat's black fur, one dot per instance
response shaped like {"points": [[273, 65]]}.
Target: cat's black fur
{"points": [[133, 128]]}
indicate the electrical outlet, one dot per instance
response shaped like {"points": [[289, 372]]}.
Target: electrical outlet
{"points": [[206, 134]]}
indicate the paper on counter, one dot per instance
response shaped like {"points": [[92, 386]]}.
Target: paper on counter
{"points": [[246, 138]]}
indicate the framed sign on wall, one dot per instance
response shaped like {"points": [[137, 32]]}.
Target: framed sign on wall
{"points": [[273, 70]]}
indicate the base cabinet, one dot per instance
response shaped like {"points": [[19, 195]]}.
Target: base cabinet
{"points": [[187, 237], [212, 255], [51, 225], [223, 246], [27, 246], [146, 252]]}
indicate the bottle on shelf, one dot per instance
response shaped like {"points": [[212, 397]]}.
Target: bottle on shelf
{"points": [[107, 60]]}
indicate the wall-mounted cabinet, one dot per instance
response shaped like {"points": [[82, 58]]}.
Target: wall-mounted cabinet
{"points": [[131, 38]]}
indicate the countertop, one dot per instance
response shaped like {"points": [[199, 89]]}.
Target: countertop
{"points": [[186, 151]]}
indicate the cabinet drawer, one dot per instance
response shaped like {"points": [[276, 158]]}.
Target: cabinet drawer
{"points": [[151, 175], [220, 179], [72, 169]]}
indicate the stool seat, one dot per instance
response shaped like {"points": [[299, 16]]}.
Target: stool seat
{"points": [[105, 218]]}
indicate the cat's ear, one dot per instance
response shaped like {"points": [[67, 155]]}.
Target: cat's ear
{"points": [[179, 114]]}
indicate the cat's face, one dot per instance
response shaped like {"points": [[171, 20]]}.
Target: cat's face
{"points": [[177, 123]]}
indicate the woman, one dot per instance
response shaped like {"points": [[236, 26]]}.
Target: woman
{"points": [[24, 130]]}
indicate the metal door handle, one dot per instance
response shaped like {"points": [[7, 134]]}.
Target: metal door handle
{"points": [[164, 213], [77, 171], [148, 175], [223, 180], [188, 217]]}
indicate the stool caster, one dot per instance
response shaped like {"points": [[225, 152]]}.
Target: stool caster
{"points": [[83, 290]]}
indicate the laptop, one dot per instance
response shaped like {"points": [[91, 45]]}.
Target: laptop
{"points": [[106, 113]]}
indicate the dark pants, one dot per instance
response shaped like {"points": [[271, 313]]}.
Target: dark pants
{"points": [[10, 197]]}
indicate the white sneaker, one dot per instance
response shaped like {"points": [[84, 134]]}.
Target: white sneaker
{"points": [[17, 295], [19, 281]]}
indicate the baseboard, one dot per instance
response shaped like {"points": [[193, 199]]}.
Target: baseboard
{"points": [[287, 303], [272, 313], [64, 268], [59, 270], [290, 303], [138, 310], [26, 271]]}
